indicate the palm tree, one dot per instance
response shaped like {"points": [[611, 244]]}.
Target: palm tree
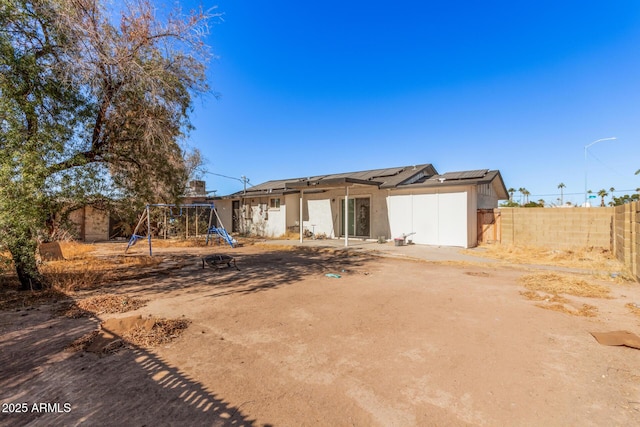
{"points": [[602, 193], [526, 194], [611, 191], [511, 191], [561, 186], [521, 190]]}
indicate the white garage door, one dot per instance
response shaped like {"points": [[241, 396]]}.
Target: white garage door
{"points": [[436, 219]]}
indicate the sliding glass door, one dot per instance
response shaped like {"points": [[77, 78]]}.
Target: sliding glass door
{"points": [[359, 219]]}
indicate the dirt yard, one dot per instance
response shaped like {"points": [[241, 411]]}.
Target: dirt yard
{"points": [[391, 342]]}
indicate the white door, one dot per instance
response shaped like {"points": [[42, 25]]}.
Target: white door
{"points": [[436, 219], [452, 219]]}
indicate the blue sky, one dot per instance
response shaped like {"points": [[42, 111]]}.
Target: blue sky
{"points": [[311, 88]]}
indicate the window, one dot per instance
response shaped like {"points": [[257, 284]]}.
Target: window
{"points": [[274, 203]]}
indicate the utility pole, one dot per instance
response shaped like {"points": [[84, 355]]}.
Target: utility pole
{"points": [[244, 182]]}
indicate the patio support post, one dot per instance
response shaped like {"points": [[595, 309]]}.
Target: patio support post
{"points": [[300, 227], [346, 217]]}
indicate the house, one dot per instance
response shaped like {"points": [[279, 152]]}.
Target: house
{"points": [[382, 203]]}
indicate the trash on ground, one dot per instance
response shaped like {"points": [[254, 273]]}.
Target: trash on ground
{"points": [[624, 338], [333, 275]]}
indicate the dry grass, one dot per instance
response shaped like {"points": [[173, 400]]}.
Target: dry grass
{"points": [[635, 308], [560, 304], [89, 272], [194, 242], [162, 332], [69, 276], [81, 270], [585, 258], [535, 296], [547, 288], [111, 304], [554, 284], [586, 310], [76, 250]]}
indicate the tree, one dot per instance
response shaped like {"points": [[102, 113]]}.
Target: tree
{"points": [[602, 193], [87, 105], [510, 204], [561, 186], [511, 190], [538, 204], [617, 201]]}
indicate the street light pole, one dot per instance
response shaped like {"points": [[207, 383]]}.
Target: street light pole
{"points": [[585, 163]]}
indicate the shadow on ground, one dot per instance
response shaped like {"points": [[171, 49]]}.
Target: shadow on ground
{"points": [[131, 387], [258, 272]]}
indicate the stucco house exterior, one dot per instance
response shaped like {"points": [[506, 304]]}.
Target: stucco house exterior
{"points": [[382, 203]]}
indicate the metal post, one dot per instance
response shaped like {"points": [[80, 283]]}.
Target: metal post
{"points": [[301, 217], [149, 230], [165, 223], [209, 224], [346, 217]]}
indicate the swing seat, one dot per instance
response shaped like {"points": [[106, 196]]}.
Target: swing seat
{"points": [[218, 261], [134, 239]]}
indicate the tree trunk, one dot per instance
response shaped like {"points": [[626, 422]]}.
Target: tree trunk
{"points": [[23, 253]]}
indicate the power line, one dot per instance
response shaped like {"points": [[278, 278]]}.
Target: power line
{"points": [[581, 194], [607, 166], [243, 179]]}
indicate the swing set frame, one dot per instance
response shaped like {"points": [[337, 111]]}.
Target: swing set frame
{"points": [[219, 231]]}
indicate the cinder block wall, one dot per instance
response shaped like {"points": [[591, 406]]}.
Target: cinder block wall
{"points": [[562, 228], [626, 246], [636, 228], [91, 224]]}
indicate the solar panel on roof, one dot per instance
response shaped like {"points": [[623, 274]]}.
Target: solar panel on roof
{"points": [[381, 173], [465, 174], [390, 172]]}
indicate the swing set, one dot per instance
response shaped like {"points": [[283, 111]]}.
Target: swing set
{"points": [[213, 231]]}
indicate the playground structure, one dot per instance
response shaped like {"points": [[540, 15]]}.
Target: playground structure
{"points": [[213, 230]]}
